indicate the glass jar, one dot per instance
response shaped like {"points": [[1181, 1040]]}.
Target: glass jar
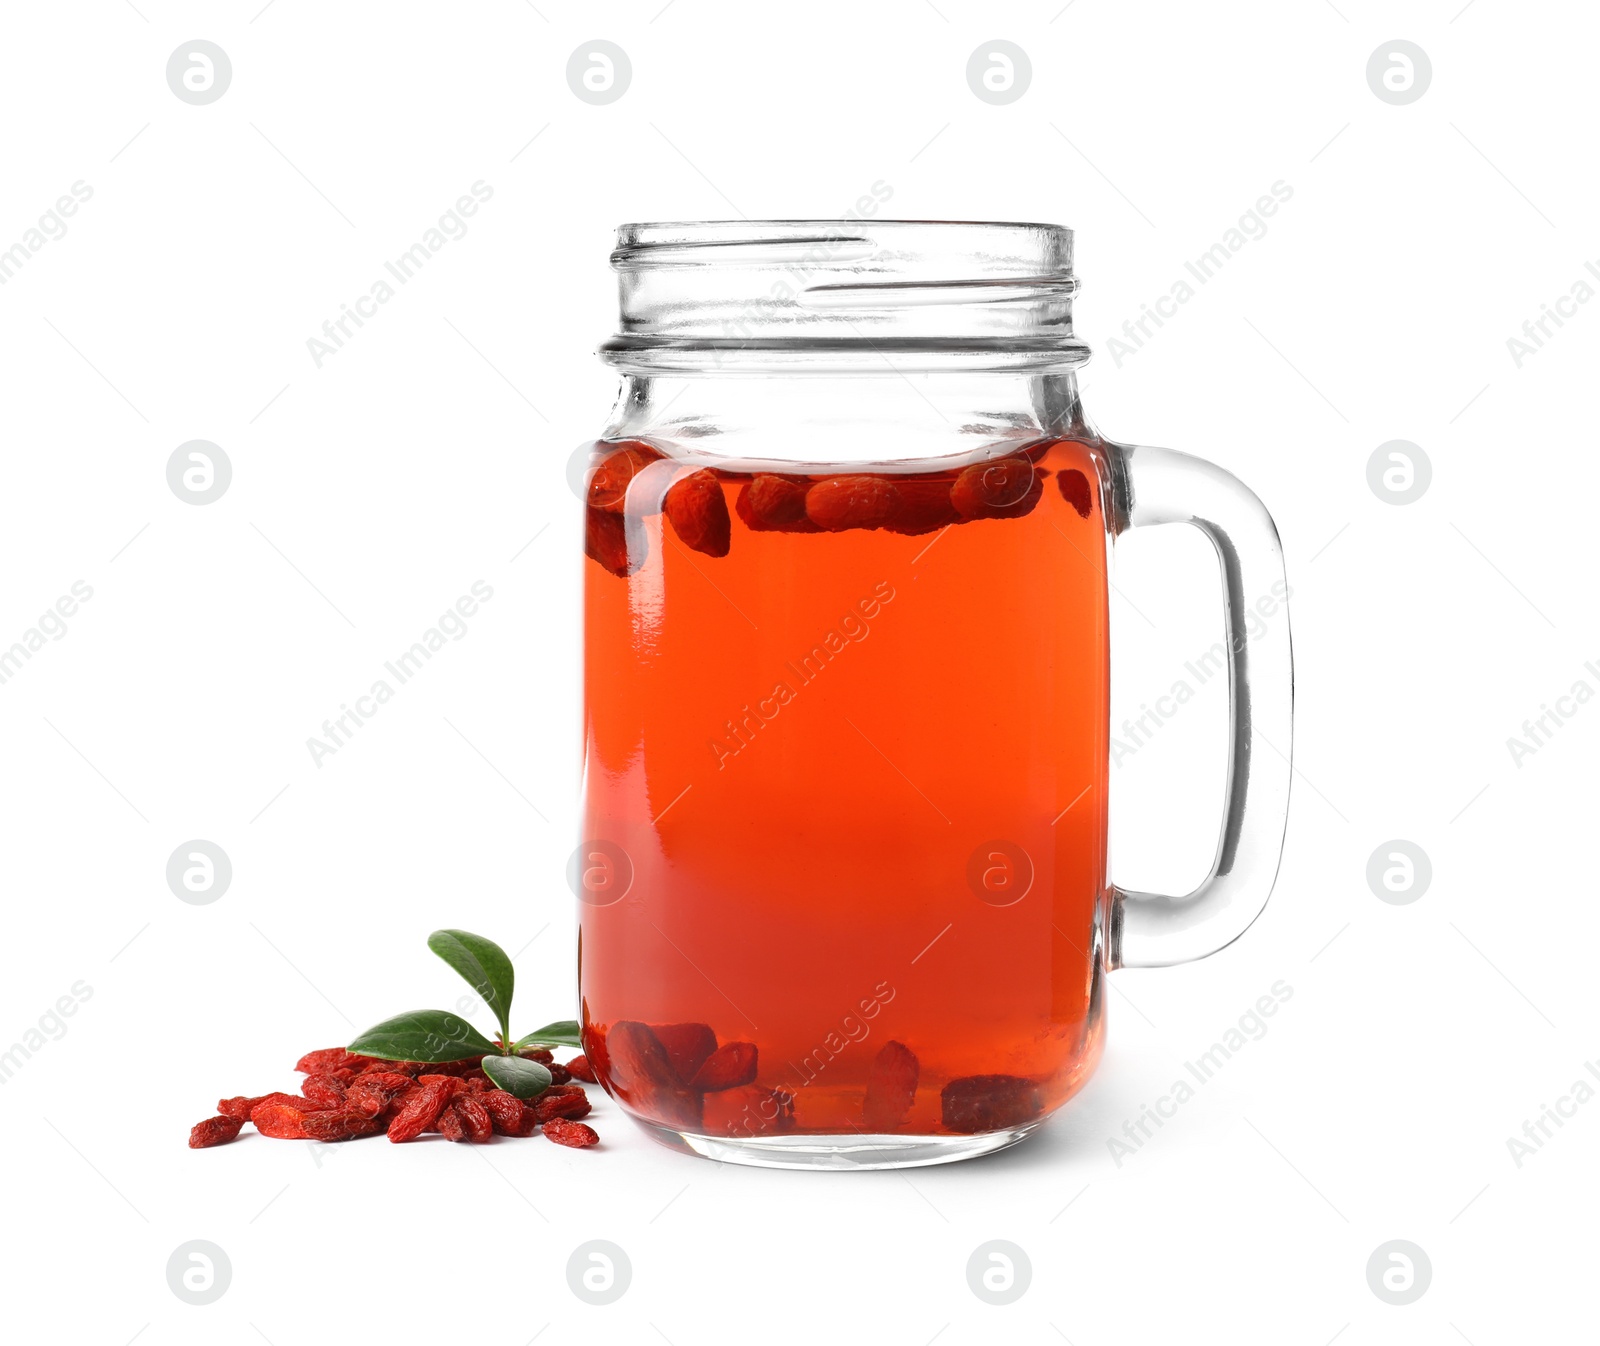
{"points": [[844, 899]]}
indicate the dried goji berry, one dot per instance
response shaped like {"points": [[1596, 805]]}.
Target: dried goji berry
{"points": [[327, 1058], [698, 512], [241, 1108], [617, 542], [451, 1125], [337, 1124], [326, 1091], [410, 1069], [386, 1079], [838, 503], [686, 1045], [989, 1103], [452, 1084], [455, 1069], [732, 1064], [891, 1086], [608, 487], [748, 1111], [574, 1134], [508, 1114], [559, 1074], [924, 505], [769, 504], [642, 1076], [545, 1107], [1075, 491], [421, 1109], [279, 1121], [213, 1131], [1002, 488], [580, 1069], [474, 1116], [373, 1091], [543, 1055]]}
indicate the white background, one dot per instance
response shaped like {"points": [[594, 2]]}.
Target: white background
{"points": [[429, 453]]}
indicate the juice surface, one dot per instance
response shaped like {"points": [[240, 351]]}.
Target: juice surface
{"points": [[845, 796]]}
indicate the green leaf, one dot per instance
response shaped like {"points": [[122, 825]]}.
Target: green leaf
{"points": [[484, 965], [423, 1035], [516, 1076], [562, 1033]]}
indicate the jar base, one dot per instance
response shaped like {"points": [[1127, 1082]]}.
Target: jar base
{"points": [[840, 1152]]}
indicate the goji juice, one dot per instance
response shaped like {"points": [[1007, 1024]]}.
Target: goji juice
{"points": [[845, 790]]}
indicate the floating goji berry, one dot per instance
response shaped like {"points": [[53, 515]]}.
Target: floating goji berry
{"points": [[989, 1103], [891, 1086], [732, 1064], [1075, 491], [608, 487], [698, 512], [924, 505], [279, 1121], [838, 503], [686, 1045], [772, 504], [1002, 488], [580, 1069], [326, 1091], [573, 1134], [616, 542], [213, 1131], [642, 1076]]}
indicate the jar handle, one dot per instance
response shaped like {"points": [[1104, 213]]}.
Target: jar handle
{"points": [[1158, 486]]}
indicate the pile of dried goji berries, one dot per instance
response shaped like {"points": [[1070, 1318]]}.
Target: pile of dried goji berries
{"points": [[346, 1096]]}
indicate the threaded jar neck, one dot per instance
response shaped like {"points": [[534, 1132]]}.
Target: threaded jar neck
{"points": [[844, 296]]}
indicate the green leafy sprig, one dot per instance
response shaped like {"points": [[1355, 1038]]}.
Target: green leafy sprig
{"points": [[438, 1036]]}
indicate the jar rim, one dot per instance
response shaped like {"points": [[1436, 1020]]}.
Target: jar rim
{"points": [[663, 232], [737, 287]]}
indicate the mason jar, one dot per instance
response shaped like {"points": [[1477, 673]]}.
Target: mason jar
{"points": [[843, 875]]}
